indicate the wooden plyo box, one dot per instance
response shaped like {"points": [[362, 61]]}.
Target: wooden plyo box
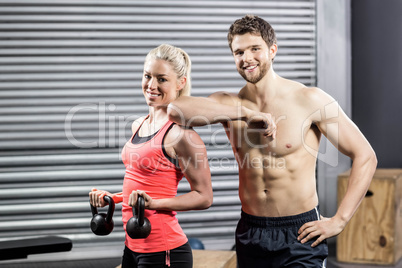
{"points": [[374, 234], [214, 259]]}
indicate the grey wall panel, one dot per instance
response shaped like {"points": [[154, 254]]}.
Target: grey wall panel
{"points": [[70, 87], [377, 77]]}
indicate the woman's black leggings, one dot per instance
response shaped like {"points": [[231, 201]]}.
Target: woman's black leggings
{"points": [[181, 257]]}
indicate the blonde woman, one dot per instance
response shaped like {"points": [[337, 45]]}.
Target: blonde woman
{"points": [[156, 158]]}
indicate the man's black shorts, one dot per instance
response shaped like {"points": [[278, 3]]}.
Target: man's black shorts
{"points": [[272, 242]]}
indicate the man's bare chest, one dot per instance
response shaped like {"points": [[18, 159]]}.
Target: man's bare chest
{"points": [[292, 128]]}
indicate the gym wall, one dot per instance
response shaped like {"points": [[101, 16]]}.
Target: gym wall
{"points": [[70, 87], [376, 73]]}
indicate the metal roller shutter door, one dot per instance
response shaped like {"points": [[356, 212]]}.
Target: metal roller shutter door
{"points": [[70, 86]]}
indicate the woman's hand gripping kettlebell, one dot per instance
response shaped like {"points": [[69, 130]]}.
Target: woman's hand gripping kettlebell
{"points": [[138, 226], [101, 223]]}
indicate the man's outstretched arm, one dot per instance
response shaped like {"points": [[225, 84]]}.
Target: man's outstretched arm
{"points": [[199, 111], [217, 108]]}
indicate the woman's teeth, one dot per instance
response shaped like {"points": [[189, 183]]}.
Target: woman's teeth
{"points": [[153, 94]]}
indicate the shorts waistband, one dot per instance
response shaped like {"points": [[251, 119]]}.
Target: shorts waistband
{"points": [[292, 220]]}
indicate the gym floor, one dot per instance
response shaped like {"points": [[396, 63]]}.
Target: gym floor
{"points": [[113, 262]]}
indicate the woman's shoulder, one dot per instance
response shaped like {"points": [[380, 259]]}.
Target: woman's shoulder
{"points": [[178, 131], [182, 135], [137, 123]]}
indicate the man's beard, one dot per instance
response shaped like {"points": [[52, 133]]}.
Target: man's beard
{"points": [[255, 79]]}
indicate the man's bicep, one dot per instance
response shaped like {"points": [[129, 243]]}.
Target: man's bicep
{"points": [[343, 133], [335, 125], [226, 98]]}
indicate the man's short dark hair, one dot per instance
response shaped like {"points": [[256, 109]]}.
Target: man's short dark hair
{"points": [[254, 25]]}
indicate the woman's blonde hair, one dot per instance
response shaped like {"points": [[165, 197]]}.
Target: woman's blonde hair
{"points": [[178, 59]]}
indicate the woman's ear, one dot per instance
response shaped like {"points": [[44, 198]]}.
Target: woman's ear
{"points": [[182, 83]]}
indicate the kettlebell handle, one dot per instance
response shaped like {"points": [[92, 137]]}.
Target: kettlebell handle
{"points": [[110, 210], [138, 210]]}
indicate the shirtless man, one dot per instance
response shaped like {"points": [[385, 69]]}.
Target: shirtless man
{"points": [[280, 223]]}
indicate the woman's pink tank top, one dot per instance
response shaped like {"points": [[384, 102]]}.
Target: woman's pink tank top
{"points": [[148, 169]]}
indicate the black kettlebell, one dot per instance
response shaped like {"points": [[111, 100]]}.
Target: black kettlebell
{"points": [[138, 226], [102, 224]]}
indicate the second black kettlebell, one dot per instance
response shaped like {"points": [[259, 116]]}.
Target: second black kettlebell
{"points": [[138, 226], [101, 223]]}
